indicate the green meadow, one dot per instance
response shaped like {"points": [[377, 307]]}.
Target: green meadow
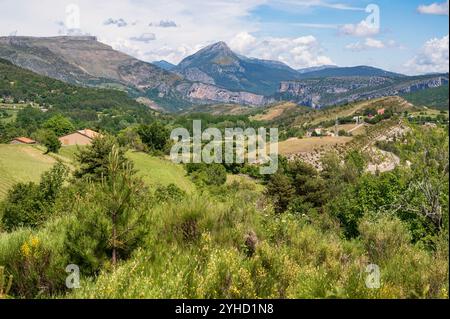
{"points": [[21, 163], [156, 171], [25, 163]]}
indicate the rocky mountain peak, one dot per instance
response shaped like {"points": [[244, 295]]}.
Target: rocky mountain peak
{"points": [[218, 49], [218, 46]]}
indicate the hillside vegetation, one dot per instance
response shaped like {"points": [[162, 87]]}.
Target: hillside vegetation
{"points": [[21, 163], [85, 106], [436, 98], [310, 234]]}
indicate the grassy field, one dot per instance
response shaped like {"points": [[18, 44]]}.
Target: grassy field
{"points": [[21, 163], [11, 118], [309, 144], [69, 151], [156, 171], [274, 112], [25, 163]]}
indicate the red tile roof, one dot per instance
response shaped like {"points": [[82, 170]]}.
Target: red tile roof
{"points": [[24, 140], [89, 133]]}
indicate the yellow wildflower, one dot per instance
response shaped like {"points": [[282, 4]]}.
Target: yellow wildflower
{"points": [[25, 249], [34, 242]]}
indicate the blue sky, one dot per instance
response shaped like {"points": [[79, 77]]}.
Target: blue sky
{"points": [[411, 37], [400, 22]]}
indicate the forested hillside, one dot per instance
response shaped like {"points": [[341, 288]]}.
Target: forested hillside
{"points": [[433, 98], [35, 98]]}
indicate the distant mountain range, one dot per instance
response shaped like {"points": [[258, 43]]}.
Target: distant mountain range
{"points": [[85, 61], [218, 65], [362, 71], [316, 68], [327, 91], [164, 65], [215, 74]]}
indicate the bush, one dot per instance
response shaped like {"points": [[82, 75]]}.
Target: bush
{"points": [[111, 219], [31, 204], [207, 174], [94, 159], [169, 193], [49, 139]]}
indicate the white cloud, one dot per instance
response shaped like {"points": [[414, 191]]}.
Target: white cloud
{"points": [[434, 8], [297, 52], [302, 4], [163, 24], [125, 46], [199, 22], [120, 23], [370, 43], [243, 42], [144, 37], [433, 57], [362, 29]]}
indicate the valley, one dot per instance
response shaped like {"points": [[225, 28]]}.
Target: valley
{"points": [[214, 74], [86, 177]]}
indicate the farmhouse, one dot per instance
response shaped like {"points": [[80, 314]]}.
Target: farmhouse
{"points": [[81, 137], [23, 140]]}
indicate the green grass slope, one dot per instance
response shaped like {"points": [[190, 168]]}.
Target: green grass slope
{"points": [[25, 163], [155, 171], [21, 163]]}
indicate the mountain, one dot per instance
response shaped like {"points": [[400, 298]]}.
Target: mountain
{"points": [[164, 65], [218, 65], [362, 71], [213, 75], [436, 97], [82, 104], [327, 91], [82, 60], [316, 68]]}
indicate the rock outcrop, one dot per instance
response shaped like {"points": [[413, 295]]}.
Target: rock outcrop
{"points": [[318, 93]]}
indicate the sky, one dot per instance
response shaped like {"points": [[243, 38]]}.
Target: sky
{"points": [[406, 36]]}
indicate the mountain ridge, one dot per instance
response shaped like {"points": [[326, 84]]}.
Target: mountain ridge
{"points": [[85, 61], [360, 70], [217, 64], [214, 74]]}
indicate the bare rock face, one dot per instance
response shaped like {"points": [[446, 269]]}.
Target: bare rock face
{"points": [[85, 61], [82, 60], [319, 92], [196, 75], [205, 92]]}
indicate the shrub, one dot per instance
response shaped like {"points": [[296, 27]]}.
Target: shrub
{"points": [[207, 174], [111, 219], [32, 262], [94, 159], [31, 204], [169, 193], [59, 124]]}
